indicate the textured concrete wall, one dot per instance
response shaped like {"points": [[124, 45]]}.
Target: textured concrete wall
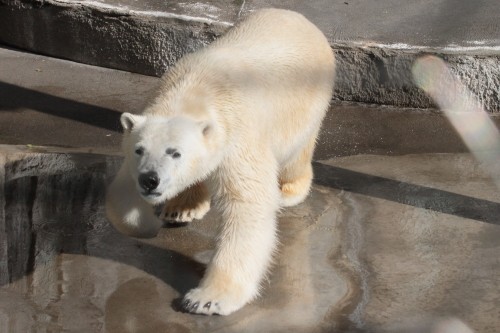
{"points": [[102, 38], [383, 76], [150, 44]]}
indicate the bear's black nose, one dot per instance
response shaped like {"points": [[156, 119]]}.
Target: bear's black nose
{"points": [[149, 180]]}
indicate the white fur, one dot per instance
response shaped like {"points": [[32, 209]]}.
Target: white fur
{"points": [[127, 211], [244, 113]]}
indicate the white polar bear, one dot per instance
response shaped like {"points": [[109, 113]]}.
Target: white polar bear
{"points": [[235, 122]]}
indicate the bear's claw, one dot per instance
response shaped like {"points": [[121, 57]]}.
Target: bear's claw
{"points": [[194, 307], [202, 301], [185, 304], [190, 307]]}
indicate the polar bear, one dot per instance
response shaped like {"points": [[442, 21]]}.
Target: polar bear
{"points": [[234, 123]]}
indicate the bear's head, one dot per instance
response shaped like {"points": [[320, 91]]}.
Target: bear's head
{"points": [[166, 155]]}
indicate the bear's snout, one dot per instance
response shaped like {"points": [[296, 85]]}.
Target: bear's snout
{"points": [[149, 181]]}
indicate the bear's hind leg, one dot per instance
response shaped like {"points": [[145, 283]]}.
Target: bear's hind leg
{"points": [[296, 177], [192, 203]]}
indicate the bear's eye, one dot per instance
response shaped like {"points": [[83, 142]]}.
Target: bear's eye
{"points": [[139, 151], [173, 152]]}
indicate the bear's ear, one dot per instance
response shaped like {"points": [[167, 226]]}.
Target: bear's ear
{"points": [[207, 127], [129, 121]]}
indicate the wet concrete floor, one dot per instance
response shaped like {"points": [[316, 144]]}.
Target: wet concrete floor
{"points": [[382, 244]]}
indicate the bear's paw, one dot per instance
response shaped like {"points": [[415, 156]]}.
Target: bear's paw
{"points": [[179, 213], [191, 204], [210, 301]]}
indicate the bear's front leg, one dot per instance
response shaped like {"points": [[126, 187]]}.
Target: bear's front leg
{"points": [[127, 211], [193, 203], [245, 243]]}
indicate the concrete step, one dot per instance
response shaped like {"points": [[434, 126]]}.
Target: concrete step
{"points": [[51, 102], [376, 42]]}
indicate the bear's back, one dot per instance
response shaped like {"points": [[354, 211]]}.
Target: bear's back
{"points": [[269, 78], [284, 68]]}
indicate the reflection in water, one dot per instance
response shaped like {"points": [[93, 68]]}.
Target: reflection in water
{"points": [[147, 313], [60, 258], [16, 313], [48, 210], [434, 325]]}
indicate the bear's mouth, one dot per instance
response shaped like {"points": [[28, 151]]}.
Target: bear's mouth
{"points": [[151, 194]]}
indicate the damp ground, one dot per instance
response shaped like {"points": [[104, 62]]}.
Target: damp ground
{"points": [[382, 244]]}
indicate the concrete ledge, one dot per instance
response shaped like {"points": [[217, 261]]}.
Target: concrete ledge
{"points": [[42, 104]]}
